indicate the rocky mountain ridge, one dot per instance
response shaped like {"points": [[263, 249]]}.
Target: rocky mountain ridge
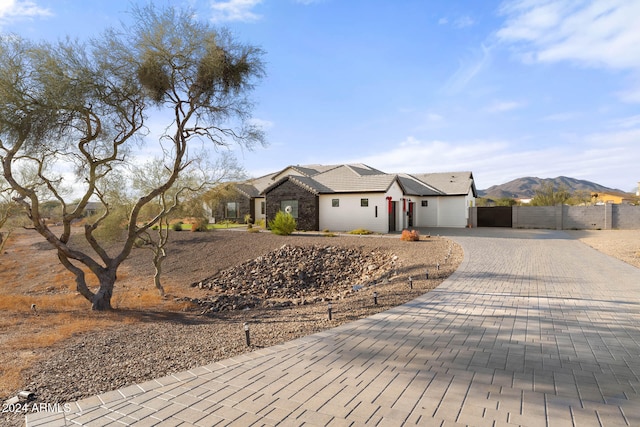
{"points": [[526, 187]]}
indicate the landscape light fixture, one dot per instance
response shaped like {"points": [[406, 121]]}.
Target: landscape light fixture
{"points": [[246, 333]]}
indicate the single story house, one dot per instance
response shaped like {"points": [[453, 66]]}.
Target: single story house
{"points": [[350, 196]]}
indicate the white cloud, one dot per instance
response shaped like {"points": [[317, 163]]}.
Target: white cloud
{"points": [[434, 118], [561, 117], [468, 70], [463, 22], [235, 10], [264, 124], [504, 106], [627, 122], [606, 158], [17, 9], [592, 33], [443, 21]]}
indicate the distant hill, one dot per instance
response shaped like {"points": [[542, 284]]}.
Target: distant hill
{"points": [[524, 188]]}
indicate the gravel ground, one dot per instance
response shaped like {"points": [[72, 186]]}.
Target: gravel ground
{"points": [[105, 360]]}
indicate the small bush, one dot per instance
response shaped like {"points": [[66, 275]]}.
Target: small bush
{"points": [[177, 226], [283, 224], [410, 235], [260, 223], [247, 219], [253, 230], [360, 231], [199, 225]]}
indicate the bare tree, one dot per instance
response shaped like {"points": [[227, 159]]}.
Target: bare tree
{"points": [[78, 107], [192, 184], [7, 209]]}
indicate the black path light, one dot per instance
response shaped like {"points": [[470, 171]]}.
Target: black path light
{"points": [[329, 309], [411, 281], [427, 274], [375, 298], [246, 333]]}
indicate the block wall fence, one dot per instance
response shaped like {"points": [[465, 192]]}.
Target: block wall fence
{"points": [[563, 217]]}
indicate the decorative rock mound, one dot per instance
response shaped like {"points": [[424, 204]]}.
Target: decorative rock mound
{"points": [[295, 275]]}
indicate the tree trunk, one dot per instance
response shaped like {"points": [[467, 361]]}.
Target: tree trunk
{"points": [[156, 280], [101, 301], [157, 262]]}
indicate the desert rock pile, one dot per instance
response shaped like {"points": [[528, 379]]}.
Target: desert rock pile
{"points": [[295, 275]]}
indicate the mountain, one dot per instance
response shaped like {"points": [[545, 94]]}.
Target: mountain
{"points": [[525, 188]]}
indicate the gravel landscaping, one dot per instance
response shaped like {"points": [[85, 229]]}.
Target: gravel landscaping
{"points": [[163, 343]]}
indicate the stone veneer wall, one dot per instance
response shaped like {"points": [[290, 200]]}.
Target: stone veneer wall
{"points": [[308, 214]]}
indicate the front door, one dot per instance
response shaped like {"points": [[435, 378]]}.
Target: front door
{"points": [[410, 214], [392, 216]]}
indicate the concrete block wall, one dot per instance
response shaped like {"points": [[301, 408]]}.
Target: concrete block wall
{"points": [[534, 217], [625, 217], [604, 217], [584, 217]]}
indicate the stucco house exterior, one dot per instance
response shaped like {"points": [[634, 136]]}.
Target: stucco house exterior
{"points": [[350, 196]]}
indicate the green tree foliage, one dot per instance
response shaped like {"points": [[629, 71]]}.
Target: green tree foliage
{"points": [[84, 108], [581, 198], [283, 224], [549, 195], [506, 201]]}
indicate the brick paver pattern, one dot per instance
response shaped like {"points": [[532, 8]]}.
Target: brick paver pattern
{"points": [[534, 329]]}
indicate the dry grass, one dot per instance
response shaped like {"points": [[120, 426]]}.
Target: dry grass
{"points": [[60, 316], [31, 274]]}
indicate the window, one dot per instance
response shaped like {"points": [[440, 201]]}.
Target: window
{"points": [[290, 207], [376, 212], [262, 207], [335, 203], [425, 203], [232, 210], [364, 202]]}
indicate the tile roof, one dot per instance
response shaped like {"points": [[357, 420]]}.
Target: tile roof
{"points": [[350, 179], [449, 183], [360, 178], [414, 187]]}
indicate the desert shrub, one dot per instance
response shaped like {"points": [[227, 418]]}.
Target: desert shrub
{"points": [[253, 230], [177, 226], [247, 219], [283, 224], [260, 223], [361, 231], [410, 235], [226, 222], [199, 225]]}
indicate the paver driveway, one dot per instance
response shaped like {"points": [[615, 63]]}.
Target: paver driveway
{"points": [[534, 329]]}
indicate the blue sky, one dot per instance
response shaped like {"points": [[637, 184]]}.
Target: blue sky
{"points": [[504, 89]]}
